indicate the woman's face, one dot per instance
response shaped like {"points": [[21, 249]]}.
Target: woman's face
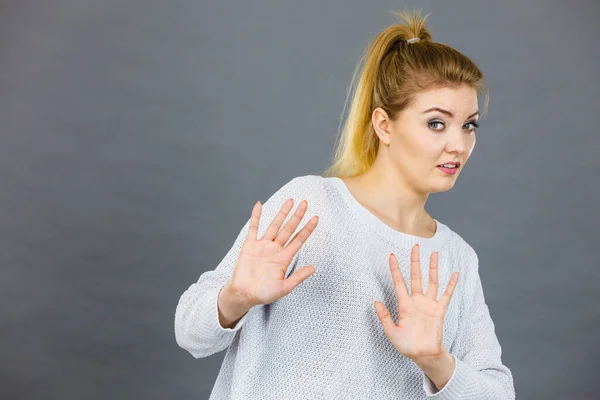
{"points": [[437, 128]]}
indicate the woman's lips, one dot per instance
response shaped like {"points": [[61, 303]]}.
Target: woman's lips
{"points": [[450, 171]]}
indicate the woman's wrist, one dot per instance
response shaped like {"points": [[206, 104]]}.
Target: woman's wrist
{"points": [[439, 369], [231, 306]]}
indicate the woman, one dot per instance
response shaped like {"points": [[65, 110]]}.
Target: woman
{"points": [[307, 313]]}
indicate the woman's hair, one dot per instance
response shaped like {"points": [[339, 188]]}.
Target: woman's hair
{"points": [[394, 71]]}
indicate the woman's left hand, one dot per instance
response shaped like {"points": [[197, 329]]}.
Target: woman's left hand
{"points": [[419, 331]]}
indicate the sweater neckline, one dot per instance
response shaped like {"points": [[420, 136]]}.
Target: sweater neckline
{"points": [[383, 229]]}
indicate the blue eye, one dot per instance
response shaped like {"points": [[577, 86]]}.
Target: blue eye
{"points": [[474, 123], [435, 122]]}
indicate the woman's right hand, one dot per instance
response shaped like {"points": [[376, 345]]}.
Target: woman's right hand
{"points": [[259, 274]]}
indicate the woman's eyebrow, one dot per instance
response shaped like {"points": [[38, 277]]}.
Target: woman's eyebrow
{"points": [[448, 112]]}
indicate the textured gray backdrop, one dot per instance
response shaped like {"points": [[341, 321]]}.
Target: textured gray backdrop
{"points": [[136, 137]]}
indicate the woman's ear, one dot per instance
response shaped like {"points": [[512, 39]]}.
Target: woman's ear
{"points": [[381, 124]]}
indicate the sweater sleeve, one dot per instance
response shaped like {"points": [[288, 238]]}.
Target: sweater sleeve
{"points": [[197, 327], [479, 372]]}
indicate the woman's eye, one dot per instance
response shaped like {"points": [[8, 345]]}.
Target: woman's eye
{"points": [[475, 125], [434, 123]]}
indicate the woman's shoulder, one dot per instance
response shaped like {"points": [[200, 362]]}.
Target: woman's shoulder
{"points": [[318, 191], [464, 251], [306, 180], [309, 187], [309, 180]]}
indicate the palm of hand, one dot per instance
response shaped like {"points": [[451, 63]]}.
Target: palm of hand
{"points": [[259, 273], [262, 269], [419, 331]]}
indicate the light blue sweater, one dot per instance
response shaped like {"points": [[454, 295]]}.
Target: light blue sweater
{"points": [[324, 340]]}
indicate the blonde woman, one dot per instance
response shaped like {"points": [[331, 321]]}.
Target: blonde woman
{"points": [[371, 298]]}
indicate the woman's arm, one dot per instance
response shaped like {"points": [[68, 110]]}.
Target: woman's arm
{"points": [[207, 316], [479, 372]]}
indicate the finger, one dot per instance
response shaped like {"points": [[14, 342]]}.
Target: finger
{"points": [[416, 283], [445, 298], [399, 284], [432, 287], [300, 237], [289, 228], [384, 317], [254, 220], [278, 220], [297, 278]]}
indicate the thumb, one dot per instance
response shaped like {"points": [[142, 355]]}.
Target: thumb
{"points": [[384, 316], [297, 278]]}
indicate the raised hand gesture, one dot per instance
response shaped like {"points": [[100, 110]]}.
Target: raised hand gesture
{"points": [[259, 273], [419, 331]]}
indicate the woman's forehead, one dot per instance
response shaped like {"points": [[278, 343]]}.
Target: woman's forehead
{"points": [[457, 100]]}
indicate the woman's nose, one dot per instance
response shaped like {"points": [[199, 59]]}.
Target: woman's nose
{"points": [[457, 141]]}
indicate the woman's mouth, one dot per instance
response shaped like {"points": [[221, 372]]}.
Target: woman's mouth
{"points": [[449, 169]]}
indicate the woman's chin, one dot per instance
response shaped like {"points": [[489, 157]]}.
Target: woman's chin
{"points": [[443, 187]]}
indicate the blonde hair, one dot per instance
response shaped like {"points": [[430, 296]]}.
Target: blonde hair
{"points": [[393, 72]]}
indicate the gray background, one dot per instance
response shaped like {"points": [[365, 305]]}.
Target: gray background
{"points": [[136, 137]]}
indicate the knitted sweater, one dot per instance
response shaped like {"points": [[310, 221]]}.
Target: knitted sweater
{"points": [[324, 340]]}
